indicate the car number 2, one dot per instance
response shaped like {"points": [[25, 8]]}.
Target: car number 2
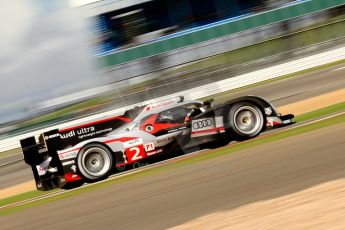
{"points": [[135, 153]]}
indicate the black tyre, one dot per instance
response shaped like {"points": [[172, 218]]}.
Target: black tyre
{"points": [[94, 162], [245, 120]]}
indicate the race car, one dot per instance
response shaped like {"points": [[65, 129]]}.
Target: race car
{"points": [[88, 152]]}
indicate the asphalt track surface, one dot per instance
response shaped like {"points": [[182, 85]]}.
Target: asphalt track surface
{"points": [[178, 195], [280, 92]]}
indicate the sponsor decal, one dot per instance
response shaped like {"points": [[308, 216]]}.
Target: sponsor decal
{"points": [[268, 110], [201, 124], [132, 143], [74, 168], [154, 152], [51, 136], [204, 127], [69, 154], [68, 162], [42, 168], [156, 106], [94, 133], [149, 146], [209, 131], [121, 166], [270, 121], [81, 133], [68, 135], [179, 129], [273, 121]]}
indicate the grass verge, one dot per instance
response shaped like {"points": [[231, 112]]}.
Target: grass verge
{"points": [[23, 196], [171, 166], [321, 112], [10, 152]]}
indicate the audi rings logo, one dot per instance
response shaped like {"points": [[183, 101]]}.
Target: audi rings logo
{"points": [[202, 124]]}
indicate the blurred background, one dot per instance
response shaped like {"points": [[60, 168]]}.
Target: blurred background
{"points": [[61, 60]]}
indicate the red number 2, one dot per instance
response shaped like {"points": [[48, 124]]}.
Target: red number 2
{"points": [[135, 153]]}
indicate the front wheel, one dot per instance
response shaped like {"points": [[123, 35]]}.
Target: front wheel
{"points": [[245, 120], [95, 162]]}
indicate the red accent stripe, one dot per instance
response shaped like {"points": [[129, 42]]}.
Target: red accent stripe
{"points": [[274, 123], [70, 177], [207, 130], [122, 139], [125, 119], [72, 150], [120, 164]]}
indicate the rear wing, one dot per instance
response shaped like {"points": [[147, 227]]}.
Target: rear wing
{"points": [[42, 156], [41, 152]]}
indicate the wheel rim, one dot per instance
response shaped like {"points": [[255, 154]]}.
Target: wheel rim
{"points": [[96, 162], [247, 120]]}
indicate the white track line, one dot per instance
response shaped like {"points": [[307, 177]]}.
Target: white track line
{"points": [[13, 154], [317, 120], [13, 164], [341, 68]]}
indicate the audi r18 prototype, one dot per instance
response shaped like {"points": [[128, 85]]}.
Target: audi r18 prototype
{"points": [[88, 152]]}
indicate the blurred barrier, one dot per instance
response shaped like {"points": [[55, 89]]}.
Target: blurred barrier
{"points": [[217, 30], [207, 89], [237, 48]]}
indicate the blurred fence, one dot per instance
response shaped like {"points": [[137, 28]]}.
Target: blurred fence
{"points": [[237, 48], [261, 41], [217, 30]]}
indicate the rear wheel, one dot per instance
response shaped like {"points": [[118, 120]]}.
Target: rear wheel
{"points": [[245, 120], [95, 162]]}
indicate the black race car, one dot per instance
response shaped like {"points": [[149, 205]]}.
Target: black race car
{"points": [[88, 152]]}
